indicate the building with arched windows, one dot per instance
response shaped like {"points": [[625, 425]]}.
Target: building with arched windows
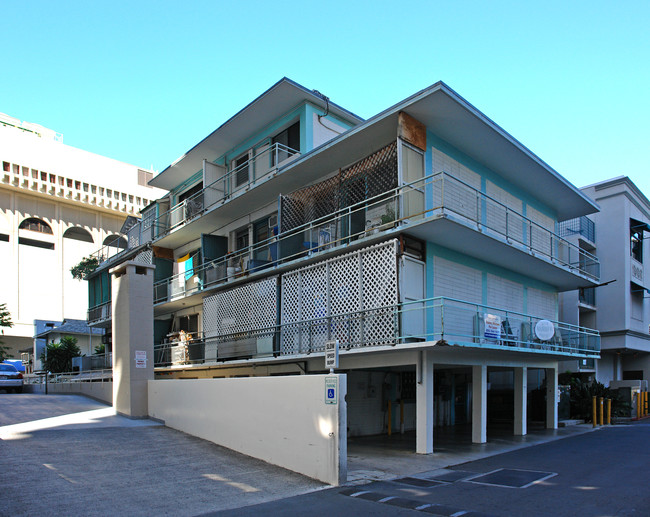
{"points": [[58, 204]]}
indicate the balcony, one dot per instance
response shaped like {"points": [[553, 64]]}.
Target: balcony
{"points": [[442, 321], [582, 226], [100, 315], [261, 166], [461, 218]]}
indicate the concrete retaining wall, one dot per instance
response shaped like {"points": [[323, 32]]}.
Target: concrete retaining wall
{"points": [[102, 391], [282, 420]]}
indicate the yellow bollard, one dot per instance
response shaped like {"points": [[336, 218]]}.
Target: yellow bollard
{"points": [[638, 405], [609, 411], [390, 418], [645, 403], [600, 411], [593, 411]]}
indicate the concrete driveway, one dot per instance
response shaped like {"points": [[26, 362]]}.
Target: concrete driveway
{"points": [[68, 455]]}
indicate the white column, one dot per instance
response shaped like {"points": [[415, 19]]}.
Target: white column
{"points": [[551, 398], [132, 305], [424, 403], [521, 391], [479, 404]]}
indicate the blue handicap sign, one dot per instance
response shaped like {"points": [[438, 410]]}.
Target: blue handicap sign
{"points": [[330, 393]]}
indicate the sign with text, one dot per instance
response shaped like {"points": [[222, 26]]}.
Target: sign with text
{"points": [[332, 354], [140, 359], [492, 326], [331, 390]]}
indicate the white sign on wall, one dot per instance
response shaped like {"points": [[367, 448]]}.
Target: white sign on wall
{"points": [[331, 390], [492, 326], [140, 359]]}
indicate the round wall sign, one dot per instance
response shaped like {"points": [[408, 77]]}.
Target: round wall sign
{"points": [[544, 330]]}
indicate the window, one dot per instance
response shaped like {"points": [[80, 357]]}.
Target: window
{"points": [[288, 143], [241, 170], [43, 176], [78, 234], [69, 183], [241, 239], [35, 225], [6, 167], [115, 241], [636, 239]]}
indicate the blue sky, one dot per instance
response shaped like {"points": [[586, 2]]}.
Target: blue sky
{"points": [[143, 81]]}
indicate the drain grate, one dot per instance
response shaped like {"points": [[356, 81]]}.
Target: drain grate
{"points": [[452, 476], [511, 478], [420, 483]]}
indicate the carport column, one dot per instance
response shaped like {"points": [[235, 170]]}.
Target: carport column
{"points": [[132, 303], [424, 403], [479, 404], [521, 391], [551, 398]]}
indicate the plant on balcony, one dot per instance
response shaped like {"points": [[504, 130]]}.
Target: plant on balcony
{"points": [[86, 266], [57, 357], [389, 216], [100, 349]]}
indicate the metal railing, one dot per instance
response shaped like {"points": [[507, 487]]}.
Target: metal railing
{"points": [[99, 313], [400, 206], [260, 166], [103, 375], [579, 225], [440, 319]]}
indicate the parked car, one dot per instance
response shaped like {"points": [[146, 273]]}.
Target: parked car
{"points": [[10, 378]]}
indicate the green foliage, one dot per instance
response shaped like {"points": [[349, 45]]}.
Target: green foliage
{"points": [[5, 321], [86, 266], [582, 394], [100, 349], [57, 357]]}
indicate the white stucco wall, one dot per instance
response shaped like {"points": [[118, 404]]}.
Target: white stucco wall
{"points": [[282, 420]]}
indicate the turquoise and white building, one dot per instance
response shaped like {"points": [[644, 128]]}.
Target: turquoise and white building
{"points": [[424, 241]]}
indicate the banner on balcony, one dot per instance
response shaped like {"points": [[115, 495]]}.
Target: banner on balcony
{"points": [[492, 326]]}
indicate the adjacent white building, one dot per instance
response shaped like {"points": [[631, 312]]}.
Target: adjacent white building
{"points": [[619, 309], [58, 204]]}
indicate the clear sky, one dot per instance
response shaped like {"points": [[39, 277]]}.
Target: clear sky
{"points": [[143, 81]]}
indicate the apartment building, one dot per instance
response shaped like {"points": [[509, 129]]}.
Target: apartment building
{"points": [[617, 308], [58, 204], [422, 242]]}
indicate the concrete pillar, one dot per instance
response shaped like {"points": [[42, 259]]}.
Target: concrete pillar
{"points": [[132, 304], [551, 398], [479, 404], [521, 391], [424, 403]]}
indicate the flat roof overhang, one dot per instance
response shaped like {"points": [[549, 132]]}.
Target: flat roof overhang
{"points": [[277, 101]]}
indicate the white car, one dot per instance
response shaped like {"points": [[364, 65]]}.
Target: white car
{"points": [[10, 378]]}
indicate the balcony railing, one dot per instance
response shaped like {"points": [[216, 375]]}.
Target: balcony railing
{"points": [[579, 225], [442, 320], [400, 206], [99, 313], [260, 166]]}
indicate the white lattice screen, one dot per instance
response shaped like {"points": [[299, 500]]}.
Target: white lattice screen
{"points": [[249, 310], [343, 298]]}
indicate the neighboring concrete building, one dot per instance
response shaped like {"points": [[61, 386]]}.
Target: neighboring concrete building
{"points": [[618, 309], [57, 205], [424, 240]]}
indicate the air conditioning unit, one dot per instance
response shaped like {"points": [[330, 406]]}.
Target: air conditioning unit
{"points": [[273, 221]]}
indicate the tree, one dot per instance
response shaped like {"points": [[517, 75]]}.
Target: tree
{"points": [[86, 266], [57, 357], [5, 321]]}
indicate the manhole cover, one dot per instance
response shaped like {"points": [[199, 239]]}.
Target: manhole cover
{"points": [[512, 478], [452, 476], [421, 483]]}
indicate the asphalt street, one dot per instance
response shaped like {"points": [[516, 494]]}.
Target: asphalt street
{"points": [[603, 473]]}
